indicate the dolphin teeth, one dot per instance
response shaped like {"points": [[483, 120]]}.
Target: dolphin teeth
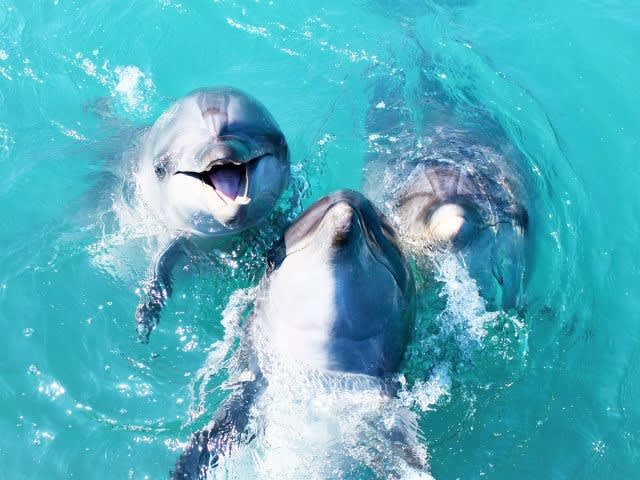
{"points": [[246, 184]]}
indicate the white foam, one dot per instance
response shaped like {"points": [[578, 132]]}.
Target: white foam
{"points": [[425, 394], [319, 425], [252, 29], [122, 251], [465, 314], [290, 52], [51, 389], [220, 352], [6, 73], [132, 86], [89, 67], [69, 132], [128, 83]]}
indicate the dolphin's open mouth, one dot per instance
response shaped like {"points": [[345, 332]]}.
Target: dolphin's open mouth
{"points": [[230, 181]]}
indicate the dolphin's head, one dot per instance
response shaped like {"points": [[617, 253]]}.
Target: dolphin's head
{"points": [[455, 207], [342, 263], [218, 160]]}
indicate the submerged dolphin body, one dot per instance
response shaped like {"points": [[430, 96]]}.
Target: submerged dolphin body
{"points": [[332, 320], [449, 185], [214, 164]]}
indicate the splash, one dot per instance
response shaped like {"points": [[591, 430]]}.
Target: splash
{"points": [[425, 394], [319, 425], [465, 315], [133, 88], [219, 355], [69, 132], [312, 423], [127, 229]]}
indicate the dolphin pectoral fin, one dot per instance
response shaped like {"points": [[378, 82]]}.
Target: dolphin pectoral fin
{"points": [[507, 267], [404, 442], [496, 270], [157, 290], [194, 461], [227, 429], [148, 310]]}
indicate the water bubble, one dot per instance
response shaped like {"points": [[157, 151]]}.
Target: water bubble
{"points": [[51, 390], [123, 387], [143, 390], [599, 447], [42, 435]]}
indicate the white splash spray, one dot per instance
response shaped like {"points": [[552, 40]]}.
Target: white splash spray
{"points": [[127, 83], [465, 315]]}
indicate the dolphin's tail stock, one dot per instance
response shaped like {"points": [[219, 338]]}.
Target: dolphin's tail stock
{"points": [[227, 429]]}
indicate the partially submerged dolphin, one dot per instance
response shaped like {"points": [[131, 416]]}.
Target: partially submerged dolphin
{"points": [[449, 187], [333, 316], [213, 165]]}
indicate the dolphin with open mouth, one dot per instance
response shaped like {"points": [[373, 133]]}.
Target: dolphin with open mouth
{"points": [[214, 164]]}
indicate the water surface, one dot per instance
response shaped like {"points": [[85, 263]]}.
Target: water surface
{"points": [[550, 393]]}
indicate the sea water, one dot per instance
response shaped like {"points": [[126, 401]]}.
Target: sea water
{"points": [[551, 391]]}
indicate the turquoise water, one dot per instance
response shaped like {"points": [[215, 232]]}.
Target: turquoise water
{"points": [[551, 393]]}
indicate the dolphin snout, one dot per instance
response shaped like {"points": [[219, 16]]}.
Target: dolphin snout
{"points": [[343, 221], [451, 223]]}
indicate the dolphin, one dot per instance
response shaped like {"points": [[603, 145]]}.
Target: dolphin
{"points": [[449, 185], [333, 316], [212, 165]]}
